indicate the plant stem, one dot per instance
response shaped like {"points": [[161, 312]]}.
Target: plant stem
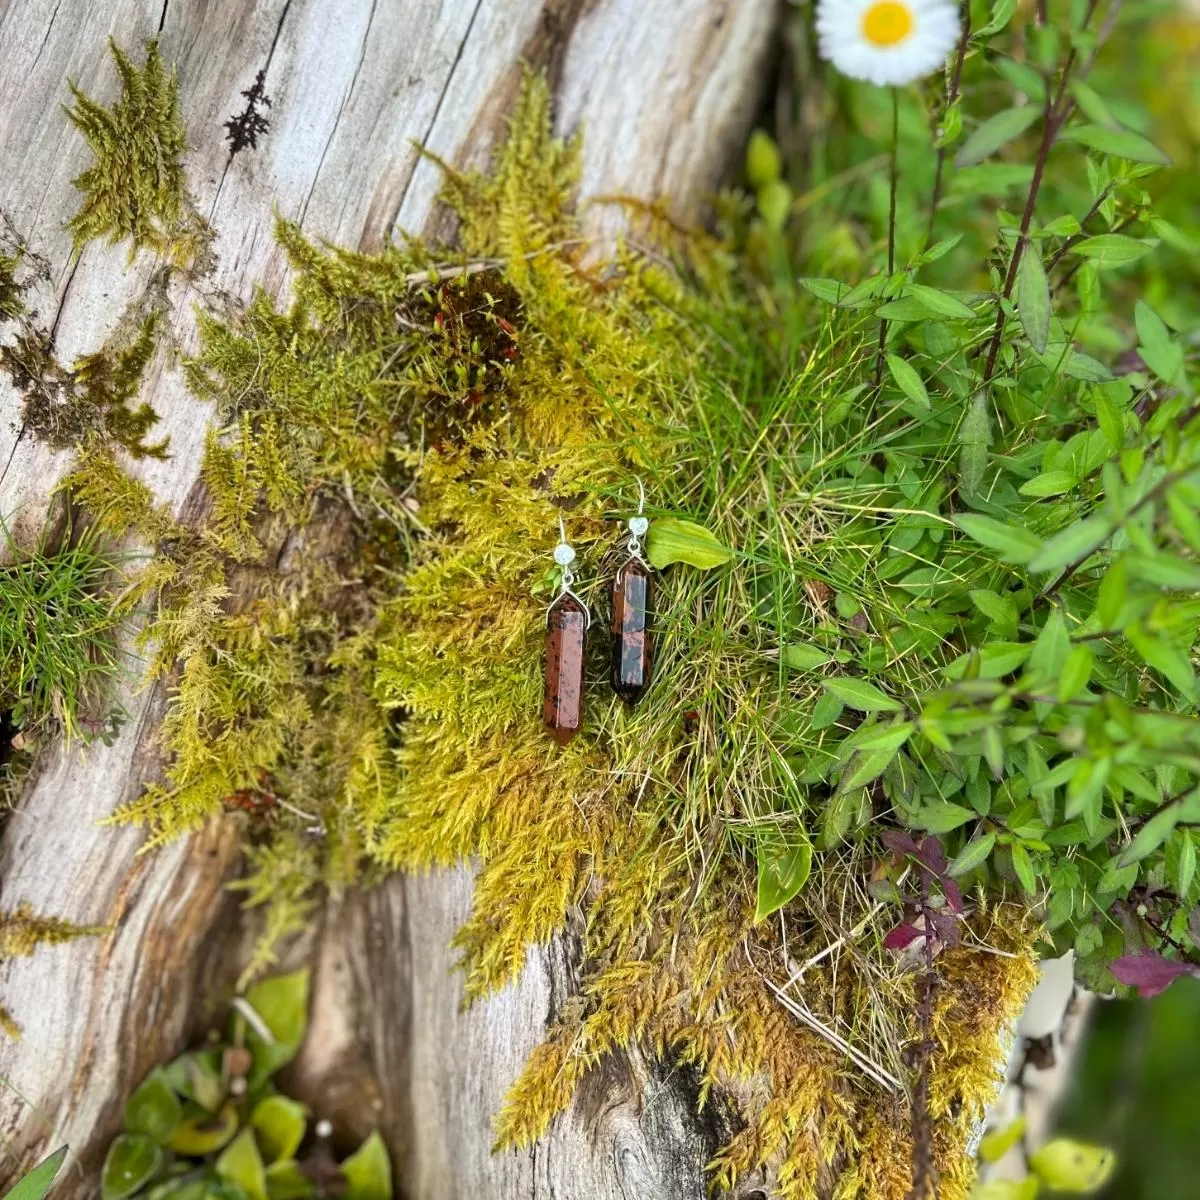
{"points": [[1058, 111], [951, 97], [894, 174]]}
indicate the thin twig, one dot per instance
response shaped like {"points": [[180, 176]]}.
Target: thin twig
{"points": [[951, 97], [893, 172]]}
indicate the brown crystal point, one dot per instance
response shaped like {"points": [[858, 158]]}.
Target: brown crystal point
{"points": [[565, 629], [631, 658]]}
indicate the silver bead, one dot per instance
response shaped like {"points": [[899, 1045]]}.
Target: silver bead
{"points": [[638, 526], [564, 555]]}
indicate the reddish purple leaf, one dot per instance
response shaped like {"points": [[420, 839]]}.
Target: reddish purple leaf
{"points": [[1149, 973], [953, 895], [898, 842], [947, 928], [902, 937], [932, 856]]}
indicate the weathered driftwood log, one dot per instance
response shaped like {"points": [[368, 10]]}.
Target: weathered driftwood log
{"points": [[666, 91]]}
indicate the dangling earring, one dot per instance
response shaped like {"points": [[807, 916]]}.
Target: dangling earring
{"points": [[567, 621], [631, 653]]}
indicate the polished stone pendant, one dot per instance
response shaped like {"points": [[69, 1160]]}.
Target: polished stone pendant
{"points": [[566, 625], [631, 651]]}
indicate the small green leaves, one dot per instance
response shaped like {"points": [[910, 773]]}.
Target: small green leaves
{"points": [[908, 381], [34, 1184], [860, 695], [995, 132], [1121, 143], [281, 1003], [674, 540], [974, 436], [775, 204], [1012, 543], [132, 1161], [784, 864], [241, 1164], [941, 816], [1033, 298], [972, 855], [1073, 544], [1158, 350], [204, 1133], [1113, 249], [368, 1171], [153, 1109], [279, 1124], [801, 656]]}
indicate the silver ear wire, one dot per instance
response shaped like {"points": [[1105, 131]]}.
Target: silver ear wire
{"points": [[639, 524], [564, 555]]}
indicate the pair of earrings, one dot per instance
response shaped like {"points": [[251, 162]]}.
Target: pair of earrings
{"points": [[567, 623]]}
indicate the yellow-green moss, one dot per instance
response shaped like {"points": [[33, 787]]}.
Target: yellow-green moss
{"points": [[353, 635], [22, 931], [137, 188]]}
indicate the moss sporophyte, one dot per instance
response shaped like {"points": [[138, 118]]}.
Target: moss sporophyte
{"points": [[352, 639]]}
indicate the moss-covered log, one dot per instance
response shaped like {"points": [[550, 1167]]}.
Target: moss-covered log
{"points": [[667, 92]]}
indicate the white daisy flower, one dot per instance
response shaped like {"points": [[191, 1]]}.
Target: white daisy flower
{"points": [[887, 42]]}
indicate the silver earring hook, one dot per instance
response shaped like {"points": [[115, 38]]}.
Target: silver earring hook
{"points": [[564, 555], [639, 524]]}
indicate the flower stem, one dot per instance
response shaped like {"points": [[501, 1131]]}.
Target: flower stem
{"points": [[951, 97], [1058, 112], [894, 174]]}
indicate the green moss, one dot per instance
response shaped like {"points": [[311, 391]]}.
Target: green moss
{"points": [[22, 931], [353, 640], [137, 187], [65, 406]]}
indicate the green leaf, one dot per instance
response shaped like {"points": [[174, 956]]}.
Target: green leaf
{"points": [[204, 1133], [1023, 77], [1151, 835], [132, 1161], [999, 610], [995, 132], [1110, 598], [241, 1164], [1050, 650], [972, 855], [1185, 870], [197, 1076], [153, 1109], [673, 540], [942, 816], [1092, 104], [1121, 143], [975, 436], [1013, 544], [1002, 14], [1112, 249], [1073, 544], [280, 1124], [1163, 657], [829, 290], [860, 695], [826, 711], [35, 1183], [908, 381], [368, 1171], [1166, 571], [1033, 298], [282, 1004], [939, 302], [801, 656], [1158, 349], [783, 869], [1023, 866], [868, 764], [1076, 672], [775, 204], [1049, 483], [286, 1181]]}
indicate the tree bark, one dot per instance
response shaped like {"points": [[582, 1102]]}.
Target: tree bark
{"points": [[665, 92]]}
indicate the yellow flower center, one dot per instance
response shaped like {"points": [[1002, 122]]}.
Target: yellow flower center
{"points": [[887, 24]]}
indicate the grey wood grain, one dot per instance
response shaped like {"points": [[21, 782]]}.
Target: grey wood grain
{"points": [[665, 92]]}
